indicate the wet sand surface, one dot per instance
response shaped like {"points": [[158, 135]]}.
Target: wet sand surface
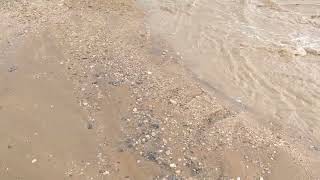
{"points": [[160, 89]]}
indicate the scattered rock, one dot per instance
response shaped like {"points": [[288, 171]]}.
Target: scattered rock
{"points": [[106, 173]]}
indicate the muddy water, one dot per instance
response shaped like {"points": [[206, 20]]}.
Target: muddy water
{"points": [[259, 56]]}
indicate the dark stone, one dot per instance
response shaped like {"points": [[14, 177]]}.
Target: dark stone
{"points": [[151, 156], [101, 171], [90, 125], [155, 126]]}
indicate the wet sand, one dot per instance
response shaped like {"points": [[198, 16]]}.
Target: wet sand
{"points": [[93, 90]]}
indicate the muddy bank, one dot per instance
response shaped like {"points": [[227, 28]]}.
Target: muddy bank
{"points": [[87, 92]]}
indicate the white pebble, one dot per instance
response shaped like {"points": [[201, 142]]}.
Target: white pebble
{"points": [[34, 161], [173, 102]]}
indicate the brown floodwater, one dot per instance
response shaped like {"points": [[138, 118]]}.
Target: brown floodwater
{"points": [[258, 56]]}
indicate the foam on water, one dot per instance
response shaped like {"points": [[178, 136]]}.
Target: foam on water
{"points": [[264, 52]]}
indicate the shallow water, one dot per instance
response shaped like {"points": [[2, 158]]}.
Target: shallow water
{"points": [[260, 56]]}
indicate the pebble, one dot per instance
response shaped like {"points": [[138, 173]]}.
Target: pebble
{"points": [[106, 173], [173, 102], [34, 161], [12, 68], [168, 152], [173, 165], [134, 109], [153, 134], [149, 72]]}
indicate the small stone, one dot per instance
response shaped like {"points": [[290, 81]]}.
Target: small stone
{"points": [[261, 178], [149, 72], [34, 161], [153, 134], [173, 102], [106, 173], [300, 51], [12, 68], [172, 165], [178, 171], [168, 152], [90, 125], [134, 109], [238, 178]]}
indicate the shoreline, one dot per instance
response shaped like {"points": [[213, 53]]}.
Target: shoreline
{"points": [[122, 106]]}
